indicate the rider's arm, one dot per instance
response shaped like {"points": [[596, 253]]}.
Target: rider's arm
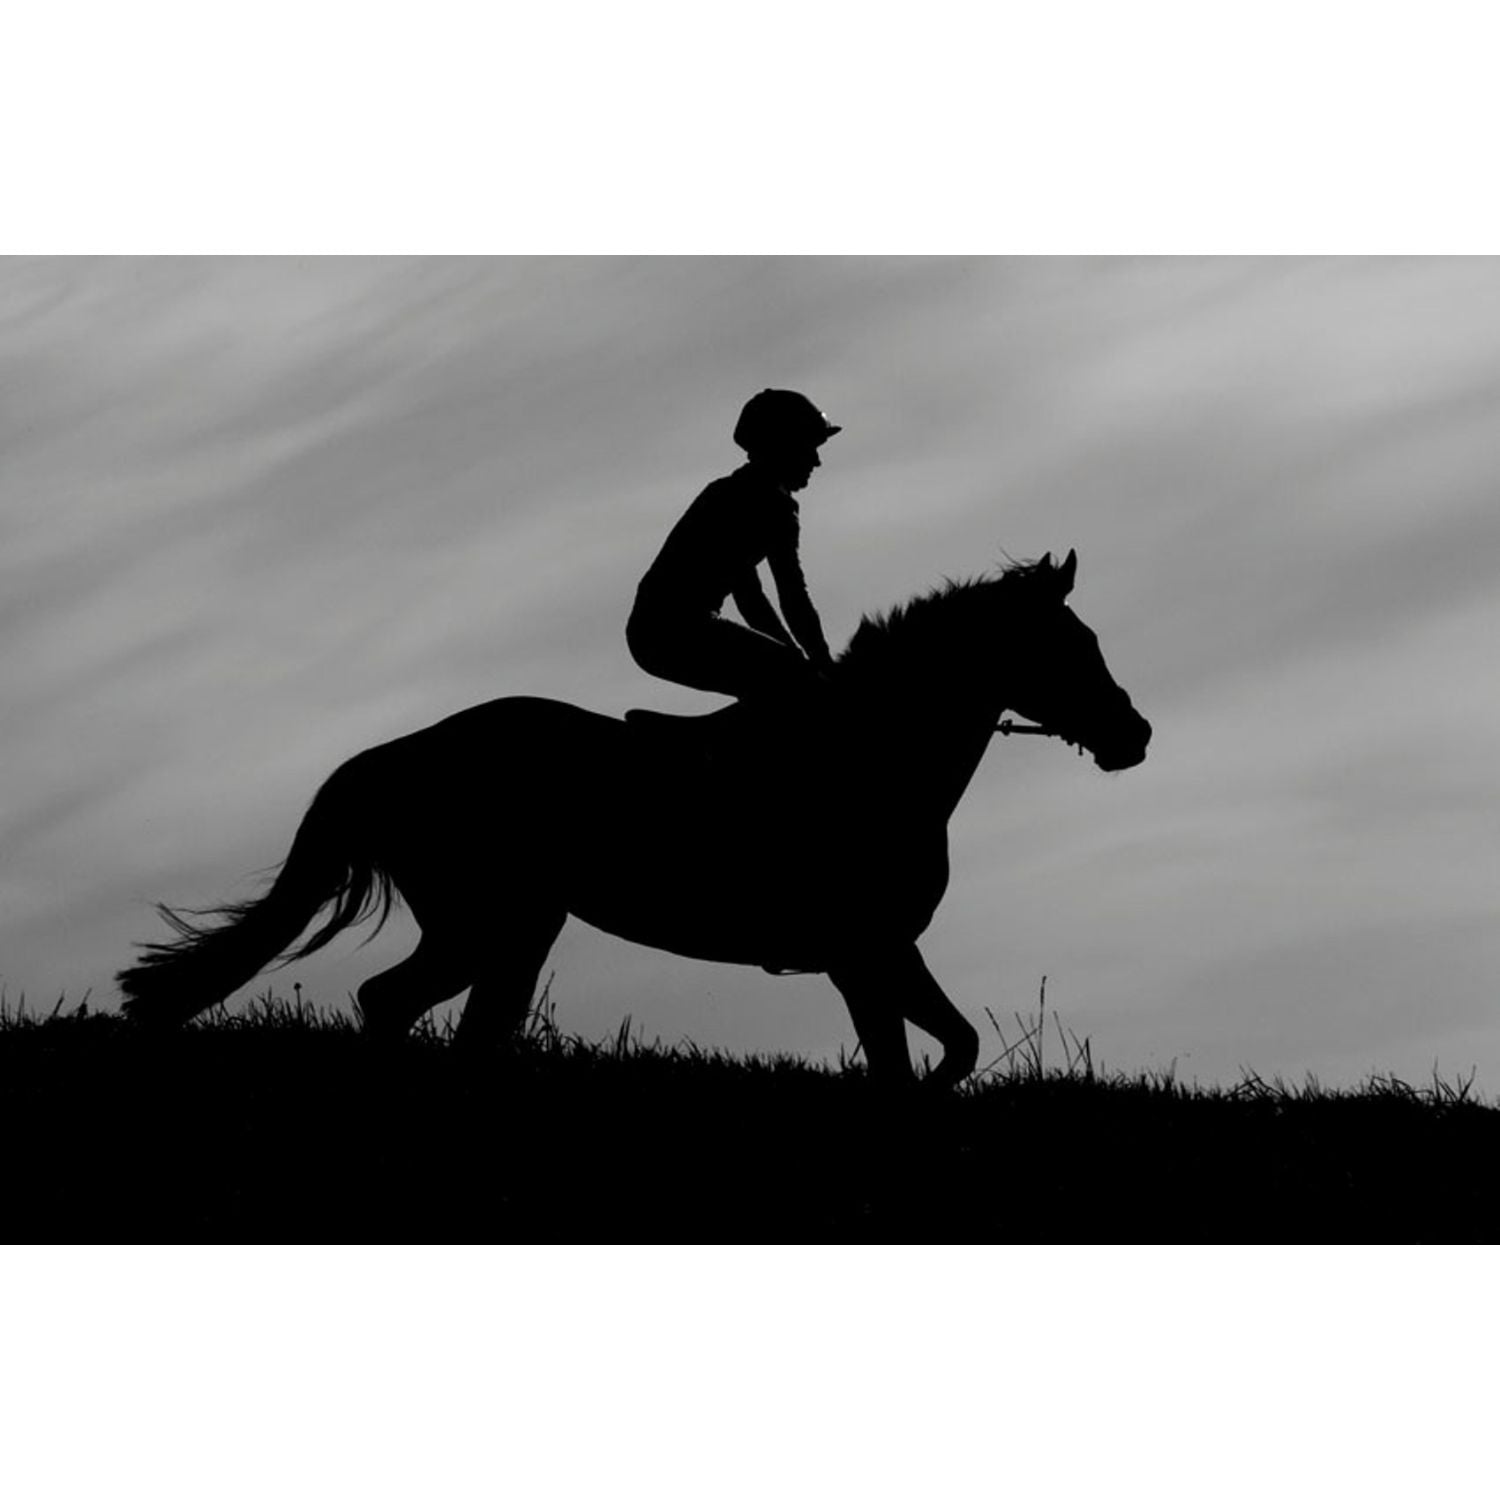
{"points": [[796, 605], [756, 611]]}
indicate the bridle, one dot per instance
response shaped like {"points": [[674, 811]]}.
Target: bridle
{"points": [[1009, 727]]}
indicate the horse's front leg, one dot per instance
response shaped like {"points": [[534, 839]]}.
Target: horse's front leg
{"points": [[878, 1023], [890, 986], [924, 1004]]}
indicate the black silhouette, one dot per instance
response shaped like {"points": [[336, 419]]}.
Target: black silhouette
{"points": [[493, 825], [675, 629]]}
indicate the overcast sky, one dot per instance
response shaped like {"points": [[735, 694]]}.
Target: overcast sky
{"points": [[258, 515]]}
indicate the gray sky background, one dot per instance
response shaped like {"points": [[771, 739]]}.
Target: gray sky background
{"points": [[260, 514]]}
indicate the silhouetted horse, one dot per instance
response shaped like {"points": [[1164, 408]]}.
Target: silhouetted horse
{"points": [[816, 840]]}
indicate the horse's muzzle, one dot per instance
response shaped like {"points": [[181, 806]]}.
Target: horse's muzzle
{"points": [[1122, 746]]}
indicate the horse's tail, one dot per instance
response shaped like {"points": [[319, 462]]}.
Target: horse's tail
{"points": [[207, 961]]}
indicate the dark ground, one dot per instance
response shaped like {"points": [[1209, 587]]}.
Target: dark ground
{"points": [[273, 1128]]}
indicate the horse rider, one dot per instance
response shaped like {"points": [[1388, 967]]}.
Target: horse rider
{"points": [[748, 517]]}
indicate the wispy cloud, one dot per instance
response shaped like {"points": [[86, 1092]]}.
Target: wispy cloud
{"points": [[258, 514]]}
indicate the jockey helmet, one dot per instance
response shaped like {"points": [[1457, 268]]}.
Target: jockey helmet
{"points": [[773, 419]]}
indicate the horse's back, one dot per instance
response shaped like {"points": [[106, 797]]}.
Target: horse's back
{"points": [[545, 750], [516, 728], [523, 712]]}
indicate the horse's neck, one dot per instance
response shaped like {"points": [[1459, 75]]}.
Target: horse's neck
{"points": [[934, 747], [957, 756]]}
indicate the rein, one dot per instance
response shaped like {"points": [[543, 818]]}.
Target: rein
{"points": [[1009, 727]]}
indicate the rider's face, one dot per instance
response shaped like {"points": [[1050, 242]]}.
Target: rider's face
{"points": [[794, 466]]}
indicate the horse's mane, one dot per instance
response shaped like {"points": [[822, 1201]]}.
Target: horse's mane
{"points": [[932, 623]]}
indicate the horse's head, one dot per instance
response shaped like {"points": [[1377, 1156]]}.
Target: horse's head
{"points": [[1060, 681]]}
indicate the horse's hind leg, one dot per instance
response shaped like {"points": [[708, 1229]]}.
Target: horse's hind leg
{"points": [[505, 984], [392, 1002]]}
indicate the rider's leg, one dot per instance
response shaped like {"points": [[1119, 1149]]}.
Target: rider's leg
{"points": [[717, 656], [762, 666]]}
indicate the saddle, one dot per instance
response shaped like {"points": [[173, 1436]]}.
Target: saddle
{"points": [[655, 721], [708, 735], [744, 728]]}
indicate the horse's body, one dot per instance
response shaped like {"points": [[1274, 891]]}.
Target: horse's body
{"points": [[815, 843], [642, 836]]}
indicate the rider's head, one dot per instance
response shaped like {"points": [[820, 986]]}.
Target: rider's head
{"points": [[781, 432]]}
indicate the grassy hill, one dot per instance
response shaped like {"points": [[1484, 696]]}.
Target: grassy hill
{"points": [[280, 1124]]}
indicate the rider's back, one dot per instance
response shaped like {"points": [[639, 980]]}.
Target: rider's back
{"points": [[733, 525]]}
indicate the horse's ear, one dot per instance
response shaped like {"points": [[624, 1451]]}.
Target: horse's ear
{"points": [[1067, 572]]}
